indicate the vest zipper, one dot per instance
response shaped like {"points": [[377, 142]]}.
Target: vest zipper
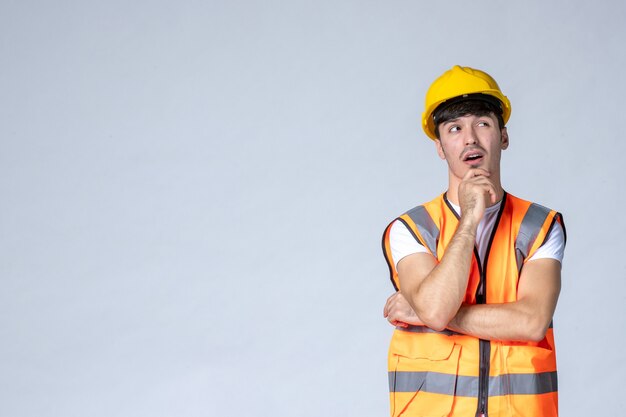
{"points": [[483, 382], [484, 347]]}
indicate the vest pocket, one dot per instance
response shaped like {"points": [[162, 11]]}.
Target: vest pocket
{"points": [[528, 383], [529, 359], [423, 374]]}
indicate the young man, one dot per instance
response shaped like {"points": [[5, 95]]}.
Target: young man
{"points": [[477, 272]]}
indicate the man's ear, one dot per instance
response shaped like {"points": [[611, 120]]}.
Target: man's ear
{"points": [[440, 150], [505, 139]]}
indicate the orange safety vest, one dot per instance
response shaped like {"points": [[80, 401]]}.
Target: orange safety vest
{"points": [[446, 373]]}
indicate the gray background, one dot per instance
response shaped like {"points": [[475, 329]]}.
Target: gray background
{"points": [[193, 194]]}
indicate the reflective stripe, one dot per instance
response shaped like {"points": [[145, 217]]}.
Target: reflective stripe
{"points": [[467, 386], [422, 381], [424, 329], [523, 384], [426, 227], [528, 231]]}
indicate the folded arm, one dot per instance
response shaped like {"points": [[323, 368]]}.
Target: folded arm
{"points": [[434, 290], [526, 319]]}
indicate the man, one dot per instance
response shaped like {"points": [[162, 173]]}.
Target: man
{"points": [[477, 272]]}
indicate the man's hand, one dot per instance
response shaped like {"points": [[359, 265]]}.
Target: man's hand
{"points": [[399, 313], [476, 193]]}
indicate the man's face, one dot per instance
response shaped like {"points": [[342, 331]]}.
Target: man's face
{"points": [[472, 142]]}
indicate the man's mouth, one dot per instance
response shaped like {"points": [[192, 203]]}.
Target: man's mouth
{"points": [[473, 157]]}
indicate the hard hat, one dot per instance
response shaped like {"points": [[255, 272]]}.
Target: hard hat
{"points": [[460, 82]]}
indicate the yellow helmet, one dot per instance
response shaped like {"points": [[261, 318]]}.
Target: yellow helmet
{"points": [[460, 82]]}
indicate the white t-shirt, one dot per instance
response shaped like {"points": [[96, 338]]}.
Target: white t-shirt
{"points": [[403, 243]]}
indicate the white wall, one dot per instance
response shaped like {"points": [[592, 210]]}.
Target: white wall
{"points": [[193, 194]]}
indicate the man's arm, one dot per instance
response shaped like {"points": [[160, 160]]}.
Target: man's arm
{"points": [[434, 290], [526, 319]]}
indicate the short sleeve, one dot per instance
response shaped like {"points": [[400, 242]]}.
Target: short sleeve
{"points": [[553, 247], [402, 242]]}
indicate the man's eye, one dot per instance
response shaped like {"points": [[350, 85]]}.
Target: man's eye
{"points": [[483, 123], [454, 129]]}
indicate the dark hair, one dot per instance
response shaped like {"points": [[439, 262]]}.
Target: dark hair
{"points": [[475, 104]]}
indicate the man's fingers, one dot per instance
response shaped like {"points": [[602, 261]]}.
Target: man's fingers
{"points": [[387, 307], [480, 183], [476, 172]]}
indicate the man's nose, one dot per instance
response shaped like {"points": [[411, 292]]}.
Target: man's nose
{"points": [[471, 138]]}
